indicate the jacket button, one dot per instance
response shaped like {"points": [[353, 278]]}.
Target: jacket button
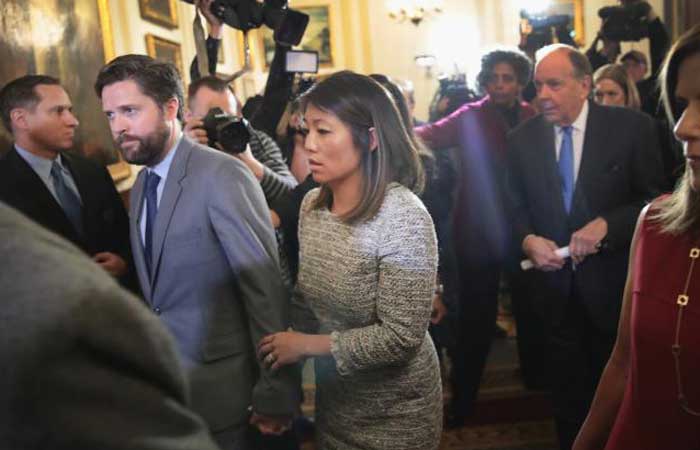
{"points": [[156, 310]]}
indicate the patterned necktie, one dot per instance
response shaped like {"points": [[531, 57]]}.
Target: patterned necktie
{"points": [[152, 180], [566, 167], [67, 198]]}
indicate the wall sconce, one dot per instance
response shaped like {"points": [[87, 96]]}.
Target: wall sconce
{"points": [[426, 62], [413, 10]]}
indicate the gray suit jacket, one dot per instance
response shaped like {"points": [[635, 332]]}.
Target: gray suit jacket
{"points": [[216, 283], [83, 365]]}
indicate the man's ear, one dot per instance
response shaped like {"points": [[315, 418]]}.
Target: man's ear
{"points": [[18, 118], [587, 83], [373, 140], [170, 108]]}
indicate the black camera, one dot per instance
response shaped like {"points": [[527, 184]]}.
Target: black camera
{"points": [[546, 27], [626, 22], [230, 132], [288, 24]]}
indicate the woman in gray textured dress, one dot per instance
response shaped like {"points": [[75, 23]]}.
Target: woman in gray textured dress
{"points": [[368, 259]]}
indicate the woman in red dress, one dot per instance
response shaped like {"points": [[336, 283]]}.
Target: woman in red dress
{"points": [[649, 394]]}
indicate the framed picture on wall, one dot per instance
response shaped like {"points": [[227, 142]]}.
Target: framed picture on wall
{"points": [[164, 50], [79, 44], [317, 37], [161, 12]]}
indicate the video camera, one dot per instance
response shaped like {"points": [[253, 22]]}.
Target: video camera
{"points": [[230, 132], [545, 27], [626, 22], [288, 24]]}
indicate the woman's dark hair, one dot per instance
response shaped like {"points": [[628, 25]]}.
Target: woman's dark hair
{"points": [[521, 64], [361, 103], [158, 80], [680, 211], [397, 94]]}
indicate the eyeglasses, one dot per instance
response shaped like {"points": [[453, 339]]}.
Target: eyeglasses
{"points": [[682, 302]]}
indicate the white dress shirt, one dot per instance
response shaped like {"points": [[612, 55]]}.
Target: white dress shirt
{"points": [[161, 169], [42, 167]]}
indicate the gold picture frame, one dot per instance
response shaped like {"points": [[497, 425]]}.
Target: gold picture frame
{"points": [[160, 12], [164, 50], [72, 57], [319, 36]]}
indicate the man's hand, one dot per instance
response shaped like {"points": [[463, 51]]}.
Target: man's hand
{"points": [[541, 252], [271, 424], [276, 221], [215, 24], [586, 241], [439, 310], [253, 164], [111, 263], [194, 130]]}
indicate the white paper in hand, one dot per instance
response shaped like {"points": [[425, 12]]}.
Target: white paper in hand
{"points": [[562, 252]]}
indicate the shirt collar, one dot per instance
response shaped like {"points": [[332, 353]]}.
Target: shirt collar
{"points": [[162, 168], [580, 122], [41, 165]]}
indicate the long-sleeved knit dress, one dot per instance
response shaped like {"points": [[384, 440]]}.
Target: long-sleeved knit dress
{"points": [[370, 286]]}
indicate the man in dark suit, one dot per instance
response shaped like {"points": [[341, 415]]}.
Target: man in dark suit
{"points": [[64, 192], [205, 252], [84, 365], [578, 176]]}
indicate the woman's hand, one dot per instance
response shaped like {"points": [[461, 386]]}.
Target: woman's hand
{"points": [[280, 349]]}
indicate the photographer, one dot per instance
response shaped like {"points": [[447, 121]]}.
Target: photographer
{"points": [[631, 21], [606, 55], [262, 156]]}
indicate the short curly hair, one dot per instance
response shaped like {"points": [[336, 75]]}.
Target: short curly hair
{"points": [[521, 64]]}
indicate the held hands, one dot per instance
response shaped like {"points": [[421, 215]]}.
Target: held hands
{"points": [[439, 309], [280, 349], [541, 252], [111, 263], [586, 241], [215, 24], [271, 424]]}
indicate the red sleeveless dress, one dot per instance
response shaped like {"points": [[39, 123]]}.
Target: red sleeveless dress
{"points": [[650, 416]]}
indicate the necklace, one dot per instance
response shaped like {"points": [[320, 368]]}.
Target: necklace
{"points": [[682, 302]]}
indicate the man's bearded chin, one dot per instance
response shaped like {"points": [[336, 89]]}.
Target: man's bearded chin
{"points": [[148, 151]]}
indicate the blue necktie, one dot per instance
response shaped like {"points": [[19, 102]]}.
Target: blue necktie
{"points": [[566, 167], [67, 198], [152, 180]]}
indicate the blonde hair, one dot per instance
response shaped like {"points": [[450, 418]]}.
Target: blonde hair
{"points": [[680, 211], [617, 74]]}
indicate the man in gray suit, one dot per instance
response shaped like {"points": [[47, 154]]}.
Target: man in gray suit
{"points": [[204, 250], [84, 365]]}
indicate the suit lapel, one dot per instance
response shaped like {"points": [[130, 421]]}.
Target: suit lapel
{"points": [[135, 208], [48, 211], [594, 140], [171, 194]]}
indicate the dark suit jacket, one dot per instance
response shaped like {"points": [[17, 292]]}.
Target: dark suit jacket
{"points": [[620, 171], [84, 365], [105, 222], [216, 283]]}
